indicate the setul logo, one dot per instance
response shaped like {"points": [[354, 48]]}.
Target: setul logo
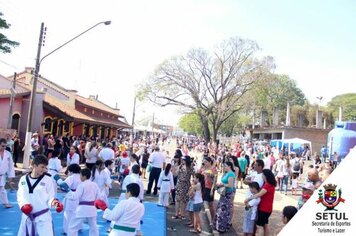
{"points": [[331, 197]]}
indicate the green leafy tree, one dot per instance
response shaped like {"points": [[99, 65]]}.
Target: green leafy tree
{"points": [[272, 93], [191, 124], [5, 43], [347, 102], [235, 123]]}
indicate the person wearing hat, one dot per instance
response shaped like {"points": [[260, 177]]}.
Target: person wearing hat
{"points": [[34, 145], [307, 190]]}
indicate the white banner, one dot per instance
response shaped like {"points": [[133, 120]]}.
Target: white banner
{"points": [[331, 210]]}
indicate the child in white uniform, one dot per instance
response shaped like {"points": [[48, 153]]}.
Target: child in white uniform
{"points": [[124, 166], [108, 170], [86, 193], [166, 185], [54, 167], [133, 161], [35, 196], [70, 184], [127, 213], [72, 156], [102, 179], [6, 168], [131, 178]]}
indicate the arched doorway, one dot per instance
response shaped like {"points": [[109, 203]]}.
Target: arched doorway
{"points": [[54, 127], [47, 125], [102, 133], [15, 122], [60, 127]]}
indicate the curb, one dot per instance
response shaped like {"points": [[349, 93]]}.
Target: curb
{"points": [[207, 212]]}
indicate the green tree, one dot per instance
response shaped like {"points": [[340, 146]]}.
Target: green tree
{"points": [[209, 84], [5, 43], [347, 102], [235, 123], [272, 93], [191, 124]]}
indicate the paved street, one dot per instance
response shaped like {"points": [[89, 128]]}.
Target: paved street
{"points": [[178, 227]]}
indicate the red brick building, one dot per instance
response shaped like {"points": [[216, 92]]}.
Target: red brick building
{"points": [[57, 110]]}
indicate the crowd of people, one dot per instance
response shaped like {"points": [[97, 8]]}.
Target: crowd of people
{"points": [[224, 170], [85, 168]]}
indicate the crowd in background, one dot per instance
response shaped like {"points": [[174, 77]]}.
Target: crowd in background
{"points": [[191, 183]]}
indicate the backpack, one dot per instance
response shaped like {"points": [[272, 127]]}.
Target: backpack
{"points": [[296, 165]]}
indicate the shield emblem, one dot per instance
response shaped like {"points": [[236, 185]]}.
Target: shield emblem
{"points": [[330, 196]]}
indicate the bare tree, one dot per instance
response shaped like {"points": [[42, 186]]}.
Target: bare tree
{"points": [[209, 84]]}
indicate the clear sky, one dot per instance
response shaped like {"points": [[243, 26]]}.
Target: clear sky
{"points": [[314, 42]]}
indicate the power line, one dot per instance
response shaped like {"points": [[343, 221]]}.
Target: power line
{"points": [[12, 66]]}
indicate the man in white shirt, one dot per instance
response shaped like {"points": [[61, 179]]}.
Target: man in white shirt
{"points": [[267, 161], [255, 176], [158, 161], [107, 153]]}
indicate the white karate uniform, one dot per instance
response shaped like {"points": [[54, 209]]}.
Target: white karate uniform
{"points": [[166, 184], [86, 191], [133, 164], [132, 178], [6, 168], [54, 167], [103, 180], [108, 172], [126, 213], [70, 205], [125, 163], [74, 160], [41, 198]]}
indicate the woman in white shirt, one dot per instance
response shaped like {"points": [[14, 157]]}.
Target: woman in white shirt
{"points": [[91, 154], [73, 156]]}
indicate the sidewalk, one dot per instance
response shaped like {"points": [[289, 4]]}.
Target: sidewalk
{"points": [[275, 220]]}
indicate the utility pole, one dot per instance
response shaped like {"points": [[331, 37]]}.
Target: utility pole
{"points": [[34, 85], [134, 113], [12, 98], [133, 121], [288, 115], [27, 153]]}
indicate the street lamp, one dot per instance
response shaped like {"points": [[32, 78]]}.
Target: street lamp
{"points": [[34, 86], [319, 98]]}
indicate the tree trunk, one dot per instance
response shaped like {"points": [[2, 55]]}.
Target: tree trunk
{"points": [[215, 133], [205, 123]]}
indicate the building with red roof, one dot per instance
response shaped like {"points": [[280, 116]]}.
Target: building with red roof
{"points": [[57, 110]]}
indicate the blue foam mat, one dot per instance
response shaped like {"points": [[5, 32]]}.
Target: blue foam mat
{"points": [[154, 220]]}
